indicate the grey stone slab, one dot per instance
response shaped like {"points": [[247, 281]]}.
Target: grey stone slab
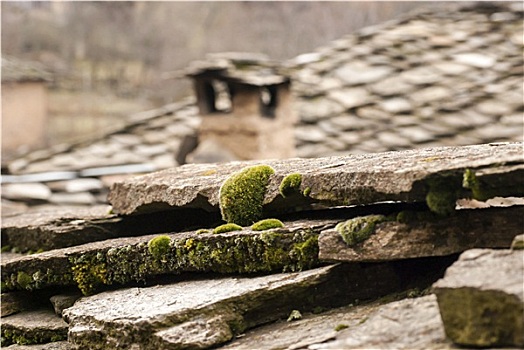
{"points": [[94, 266], [203, 313], [396, 105], [481, 298], [359, 72], [406, 324], [59, 345], [33, 327], [359, 179], [26, 191], [412, 236], [350, 97]]}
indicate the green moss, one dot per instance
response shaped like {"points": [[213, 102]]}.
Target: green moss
{"points": [[159, 246], [266, 224], [36, 336], [227, 228], [294, 315], [242, 195], [518, 242], [307, 191], [290, 184], [340, 327], [24, 280], [358, 229], [202, 230], [89, 272], [442, 195], [6, 248]]}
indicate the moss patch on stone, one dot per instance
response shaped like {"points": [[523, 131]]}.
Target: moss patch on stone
{"points": [[358, 229], [11, 335], [266, 224], [442, 195], [242, 195], [340, 327], [89, 272], [227, 228], [290, 184], [159, 246]]}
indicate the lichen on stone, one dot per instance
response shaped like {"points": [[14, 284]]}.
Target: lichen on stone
{"points": [[242, 195], [159, 246], [89, 272], [266, 224], [290, 184], [340, 327], [358, 229], [227, 228]]}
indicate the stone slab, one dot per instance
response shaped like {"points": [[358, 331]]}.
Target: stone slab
{"points": [[405, 324], [59, 345], [33, 327], [481, 298], [65, 227], [203, 313], [358, 179], [96, 265], [436, 236]]}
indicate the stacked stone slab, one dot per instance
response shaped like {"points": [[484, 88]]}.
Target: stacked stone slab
{"points": [[201, 288]]}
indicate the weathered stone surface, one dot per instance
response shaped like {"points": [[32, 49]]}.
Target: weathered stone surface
{"points": [[434, 236], [119, 261], [359, 179], [63, 301], [65, 227], [33, 327], [481, 298], [207, 312], [405, 324], [59, 345]]}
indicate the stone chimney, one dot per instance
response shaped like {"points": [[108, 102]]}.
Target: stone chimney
{"points": [[246, 108]]}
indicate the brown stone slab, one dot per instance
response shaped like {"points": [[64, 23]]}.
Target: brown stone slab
{"points": [[481, 298], [436, 236], [334, 181]]}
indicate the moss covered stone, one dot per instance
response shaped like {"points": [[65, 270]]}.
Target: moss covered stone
{"points": [[442, 195], [290, 184], [267, 224], [24, 280], [159, 246], [89, 272], [227, 228], [242, 195], [358, 229]]}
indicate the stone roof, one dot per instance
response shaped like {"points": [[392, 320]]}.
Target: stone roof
{"points": [[17, 70], [449, 76], [400, 274], [438, 77]]}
